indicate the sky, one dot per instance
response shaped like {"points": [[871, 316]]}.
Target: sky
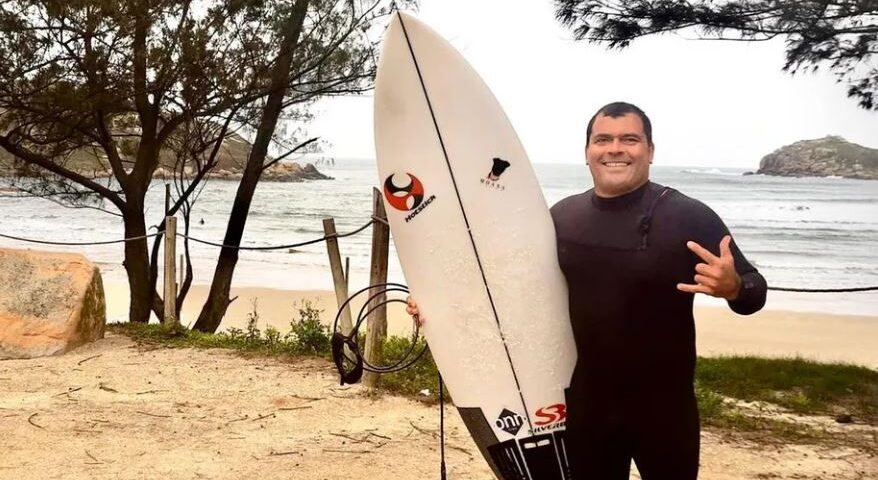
{"points": [[712, 103]]}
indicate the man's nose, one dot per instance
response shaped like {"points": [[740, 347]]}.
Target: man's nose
{"points": [[615, 146]]}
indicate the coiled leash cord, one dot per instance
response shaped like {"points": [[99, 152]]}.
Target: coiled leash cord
{"points": [[358, 363], [351, 369]]}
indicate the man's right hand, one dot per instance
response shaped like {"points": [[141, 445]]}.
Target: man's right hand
{"points": [[412, 309]]}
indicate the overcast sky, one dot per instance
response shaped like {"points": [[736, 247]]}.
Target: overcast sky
{"points": [[712, 103]]}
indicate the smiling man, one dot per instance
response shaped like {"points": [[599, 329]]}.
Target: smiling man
{"points": [[634, 253]]}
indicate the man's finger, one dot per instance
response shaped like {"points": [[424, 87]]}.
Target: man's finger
{"points": [[705, 269], [702, 252], [686, 287], [725, 249], [706, 281]]}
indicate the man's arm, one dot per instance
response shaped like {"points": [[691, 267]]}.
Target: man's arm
{"points": [[751, 297], [726, 274]]}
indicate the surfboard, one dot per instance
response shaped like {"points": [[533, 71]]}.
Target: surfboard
{"points": [[476, 244]]}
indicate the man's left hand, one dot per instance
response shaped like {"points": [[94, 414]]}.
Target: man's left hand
{"points": [[716, 276]]}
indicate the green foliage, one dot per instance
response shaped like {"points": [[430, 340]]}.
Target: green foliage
{"points": [[422, 375], [710, 405], [308, 334], [840, 36], [799, 385]]}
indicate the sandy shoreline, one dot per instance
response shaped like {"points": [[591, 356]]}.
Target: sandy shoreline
{"points": [[115, 410], [770, 333]]}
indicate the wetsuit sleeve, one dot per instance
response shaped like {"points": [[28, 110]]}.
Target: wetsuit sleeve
{"points": [[751, 297], [708, 230]]}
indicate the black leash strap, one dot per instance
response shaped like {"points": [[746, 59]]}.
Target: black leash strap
{"points": [[351, 364], [442, 473]]}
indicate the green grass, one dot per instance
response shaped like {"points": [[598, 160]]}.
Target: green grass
{"points": [[307, 335], [796, 384], [422, 375]]}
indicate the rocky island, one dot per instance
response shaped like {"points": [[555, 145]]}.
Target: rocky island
{"points": [[823, 157], [232, 158]]}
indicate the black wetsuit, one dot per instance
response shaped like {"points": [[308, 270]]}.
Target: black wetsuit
{"points": [[632, 394]]}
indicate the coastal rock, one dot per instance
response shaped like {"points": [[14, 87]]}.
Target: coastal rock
{"points": [[50, 303], [281, 172], [824, 157], [230, 165], [293, 172]]}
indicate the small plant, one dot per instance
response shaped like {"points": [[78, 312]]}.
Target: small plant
{"points": [[234, 334], [253, 334], [307, 334], [710, 404], [273, 338]]}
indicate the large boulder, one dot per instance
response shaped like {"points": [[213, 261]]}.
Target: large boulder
{"points": [[49, 303]]}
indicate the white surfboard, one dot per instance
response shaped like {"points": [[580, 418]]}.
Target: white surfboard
{"points": [[477, 247]]}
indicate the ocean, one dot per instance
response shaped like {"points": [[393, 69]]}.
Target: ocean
{"points": [[799, 232]]}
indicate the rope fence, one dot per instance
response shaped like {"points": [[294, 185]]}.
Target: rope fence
{"points": [[194, 239], [349, 234]]}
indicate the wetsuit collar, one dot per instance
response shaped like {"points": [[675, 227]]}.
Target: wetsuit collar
{"points": [[622, 201]]}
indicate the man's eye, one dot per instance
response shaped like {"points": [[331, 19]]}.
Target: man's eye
{"points": [[601, 141], [631, 140]]}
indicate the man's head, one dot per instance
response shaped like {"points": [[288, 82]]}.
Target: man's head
{"points": [[619, 149]]}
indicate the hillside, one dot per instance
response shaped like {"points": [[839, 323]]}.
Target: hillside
{"points": [[232, 157], [823, 157]]}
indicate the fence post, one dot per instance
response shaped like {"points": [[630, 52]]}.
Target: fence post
{"points": [[170, 271], [338, 276], [377, 323]]}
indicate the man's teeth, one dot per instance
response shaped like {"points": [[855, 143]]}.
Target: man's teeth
{"points": [[616, 164]]}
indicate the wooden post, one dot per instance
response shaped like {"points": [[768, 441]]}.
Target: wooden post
{"points": [[338, 277], [170, 271], [377, 322]]}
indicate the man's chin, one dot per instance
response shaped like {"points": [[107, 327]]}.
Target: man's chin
{"points": [[614, 187]]}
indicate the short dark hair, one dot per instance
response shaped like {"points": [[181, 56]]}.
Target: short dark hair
{"points": [[616, 110]]}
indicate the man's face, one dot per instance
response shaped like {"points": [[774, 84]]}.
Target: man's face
{"points": [[618, 154]]}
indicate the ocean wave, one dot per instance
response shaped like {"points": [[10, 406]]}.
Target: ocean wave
{"points": [[710, 171]]}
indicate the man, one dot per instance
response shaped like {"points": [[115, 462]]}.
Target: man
{"points": [[630, 250]]}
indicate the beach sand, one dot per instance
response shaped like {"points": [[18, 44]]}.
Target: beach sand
{"points": [[115, 410], [770, 333]]}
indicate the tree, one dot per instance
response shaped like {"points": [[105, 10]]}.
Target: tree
{"points": [[131, 81], [841, 36]]}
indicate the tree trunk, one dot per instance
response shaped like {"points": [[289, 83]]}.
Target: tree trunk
{"points": [[218, 298], [137, 262]]}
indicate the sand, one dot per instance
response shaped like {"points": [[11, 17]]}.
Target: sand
{"points": [[113, 410]]}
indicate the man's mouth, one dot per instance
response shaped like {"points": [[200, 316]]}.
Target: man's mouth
{"points": [[616, 164]]}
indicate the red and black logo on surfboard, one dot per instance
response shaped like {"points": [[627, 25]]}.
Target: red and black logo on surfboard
{"points": [[406, 197]]}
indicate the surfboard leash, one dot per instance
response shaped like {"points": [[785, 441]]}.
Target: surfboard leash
{"points": [[350, 362], [442, 473], [358, 363]]}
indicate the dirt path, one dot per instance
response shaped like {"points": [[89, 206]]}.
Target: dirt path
{"points": [[113, 410]]}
